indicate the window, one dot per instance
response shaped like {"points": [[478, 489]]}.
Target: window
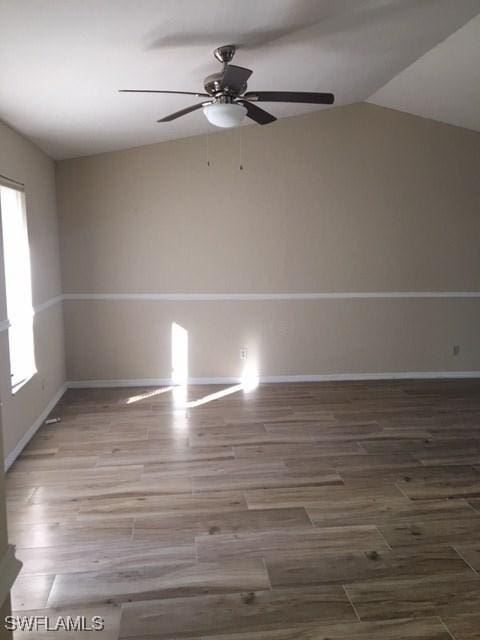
{"points": [[18, 285]]}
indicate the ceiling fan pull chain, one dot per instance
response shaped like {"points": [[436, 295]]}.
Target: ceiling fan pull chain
{"points": [[207, 147], [240, 147]]}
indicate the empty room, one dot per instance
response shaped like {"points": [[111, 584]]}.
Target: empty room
{"points": [[240, 319]]}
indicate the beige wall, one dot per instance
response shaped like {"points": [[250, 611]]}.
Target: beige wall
{"points": [[22, 161], [131, 340], [354, 199]]}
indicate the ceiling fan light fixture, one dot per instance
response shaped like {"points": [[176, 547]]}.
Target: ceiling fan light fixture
{"points": [[225, 114]]}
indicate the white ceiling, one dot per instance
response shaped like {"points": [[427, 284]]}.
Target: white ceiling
{"points": [[444, 84], [62, 61]]}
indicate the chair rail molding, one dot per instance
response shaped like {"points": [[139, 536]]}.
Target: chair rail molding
{"points": [[334, 295]]}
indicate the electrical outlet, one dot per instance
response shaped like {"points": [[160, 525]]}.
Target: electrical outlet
{"points": [[456, 349], [243, 353]]}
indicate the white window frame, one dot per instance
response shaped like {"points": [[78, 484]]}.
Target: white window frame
{"points": [[18, 289]]}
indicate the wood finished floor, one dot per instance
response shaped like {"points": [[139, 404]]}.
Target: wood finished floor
{"points": [[326, 511]]}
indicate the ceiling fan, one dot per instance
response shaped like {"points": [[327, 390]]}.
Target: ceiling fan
{"points": [[228, 100]]}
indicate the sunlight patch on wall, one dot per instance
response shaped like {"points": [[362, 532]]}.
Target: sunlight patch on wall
{"points": [[179, 354], [250, 377]]}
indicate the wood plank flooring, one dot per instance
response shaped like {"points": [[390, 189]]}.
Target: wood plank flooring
{"points": [[291, 512]]}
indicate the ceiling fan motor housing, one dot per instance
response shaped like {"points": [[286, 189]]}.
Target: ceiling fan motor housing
{"points": [[214, 86]]}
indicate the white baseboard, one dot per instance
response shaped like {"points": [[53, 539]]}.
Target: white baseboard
{"points": [[394, 375], [13, 455], [327, 377], [145, 382]]}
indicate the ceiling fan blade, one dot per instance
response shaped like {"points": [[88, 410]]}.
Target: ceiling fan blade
{"points": [[235, 78], [184, 93], [290, 96], [183, 112], [256, 113]]}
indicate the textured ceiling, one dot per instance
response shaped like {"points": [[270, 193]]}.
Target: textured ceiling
{"points": [[444, 84], [62, 61]]}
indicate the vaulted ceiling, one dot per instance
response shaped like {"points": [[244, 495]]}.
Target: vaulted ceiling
{"points": [[62, 62], [444, 84]]}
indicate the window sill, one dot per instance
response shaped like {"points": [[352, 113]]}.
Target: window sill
{"points": [[19, 385]]}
